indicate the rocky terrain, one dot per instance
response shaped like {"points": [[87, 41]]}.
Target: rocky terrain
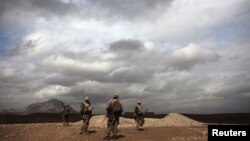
{"points": [[173, 127]]}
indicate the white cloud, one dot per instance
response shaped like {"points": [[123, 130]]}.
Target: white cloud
{"points": [[53, 90], [192, 19], [190, 56], [63, 64]]}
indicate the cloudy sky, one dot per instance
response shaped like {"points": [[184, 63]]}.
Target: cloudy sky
{"points": [[187, 56]]}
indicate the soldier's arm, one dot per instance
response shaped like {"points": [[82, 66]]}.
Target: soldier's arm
{"points": [[121, 108], [108, 106], [90, 108], [136, 110], [143, 111], [108, 109], [136, 113], [81, 109], [81, 112]]}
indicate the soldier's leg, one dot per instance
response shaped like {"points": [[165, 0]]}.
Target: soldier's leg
{"points": [[109, 127], [64, 120], [115, 128], [83, 126], [86, 124], [67, 119], [137, 123], [142, 121]]}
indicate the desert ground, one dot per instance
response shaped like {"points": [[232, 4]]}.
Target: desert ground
{"points": [[173, 127], [56, 132]]}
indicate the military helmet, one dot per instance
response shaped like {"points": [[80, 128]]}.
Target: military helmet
{"points": [[116, 96], [86, 98]]}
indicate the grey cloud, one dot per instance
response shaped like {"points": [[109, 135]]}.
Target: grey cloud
{"points": [[20, 84], [197, 94], [56, 7], [128, 45], [100, 93], [210, 106], [46, 7], [234, 57], [130, 75], [128, 9], [8, 4], [128, 51], [20, 15], [128, 65], [31, 9], [61, 80], [21, 48], [133, 53], [178, 85], [75, 73], [81, 70], [235, 86], [138, 79]]}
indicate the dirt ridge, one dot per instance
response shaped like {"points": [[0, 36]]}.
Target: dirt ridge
{"points": [[172, 119]]}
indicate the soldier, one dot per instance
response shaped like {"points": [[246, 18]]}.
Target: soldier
{"points": [[138, 113], [86, 113], [114, 111], [65, 114]]}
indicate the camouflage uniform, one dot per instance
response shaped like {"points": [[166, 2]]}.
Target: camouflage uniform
{"points": [[114, 111], [65, 114], [86, 113], [139, 116]]}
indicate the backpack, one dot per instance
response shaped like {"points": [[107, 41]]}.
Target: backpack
{"points": [[86, 108], [65, 111], [140, 111], [116, 106]]}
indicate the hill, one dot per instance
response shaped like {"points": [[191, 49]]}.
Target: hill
{"points": [[50, 106]]}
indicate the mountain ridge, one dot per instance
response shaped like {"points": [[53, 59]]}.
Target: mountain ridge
{"points": [[50, 106]]}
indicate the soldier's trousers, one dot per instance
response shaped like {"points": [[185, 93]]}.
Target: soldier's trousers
{"points": [[112, 125], [139, 121], [66, 120], [85, 125]]}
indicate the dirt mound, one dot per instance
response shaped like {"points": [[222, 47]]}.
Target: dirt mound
{"points": [[175, 119], [172, 119]]}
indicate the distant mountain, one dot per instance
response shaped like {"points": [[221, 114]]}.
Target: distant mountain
{"points": [[50, 106]]}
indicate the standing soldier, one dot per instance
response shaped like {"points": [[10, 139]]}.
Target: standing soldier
{"points": [[138, 113], [86, 113], [65, 114], [114, 111]]}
